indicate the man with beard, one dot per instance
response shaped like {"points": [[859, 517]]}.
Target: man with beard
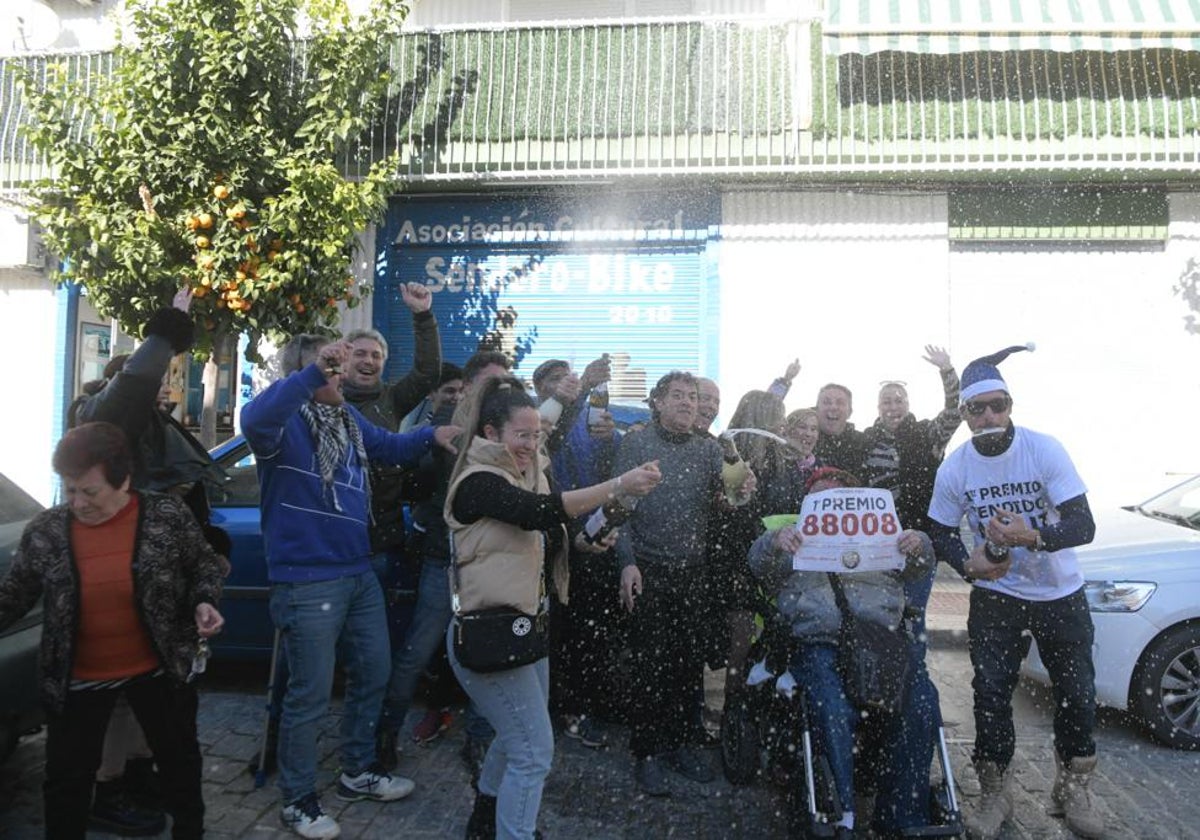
{"points": [[1028, 509]]}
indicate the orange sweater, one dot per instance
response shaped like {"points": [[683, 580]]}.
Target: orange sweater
{"points": [[111, 643]]}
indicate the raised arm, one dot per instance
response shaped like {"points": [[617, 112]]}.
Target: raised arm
{"points": [[948, 419], [264, 417], [410, 389], [130, 397]]}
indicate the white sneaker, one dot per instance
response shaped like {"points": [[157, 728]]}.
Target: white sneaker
{"points": [[306, 818], [373, 783]]}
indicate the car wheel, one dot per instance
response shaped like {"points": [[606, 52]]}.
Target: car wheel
{"points": [[1166, 688]]}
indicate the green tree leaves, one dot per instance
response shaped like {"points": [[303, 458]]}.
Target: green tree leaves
{"points": [[207, 158]]}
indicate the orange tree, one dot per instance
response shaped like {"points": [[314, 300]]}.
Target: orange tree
{"points": [[212, 157]]}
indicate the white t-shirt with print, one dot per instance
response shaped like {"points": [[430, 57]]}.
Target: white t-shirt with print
{"points": [[1029, 479]]}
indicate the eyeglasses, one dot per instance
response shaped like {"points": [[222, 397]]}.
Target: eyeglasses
{"points": [[999, 405]]}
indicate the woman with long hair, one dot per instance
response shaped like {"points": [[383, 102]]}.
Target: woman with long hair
{"points": [[507, 526], [732, 587]]}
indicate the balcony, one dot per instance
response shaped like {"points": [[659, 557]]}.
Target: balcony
{"points": [[747, 98]]}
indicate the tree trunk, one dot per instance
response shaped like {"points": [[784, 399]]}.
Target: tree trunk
{"points": [[211, 380]]}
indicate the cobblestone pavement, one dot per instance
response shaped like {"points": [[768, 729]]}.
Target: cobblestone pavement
{"points": [[1145, 791]]}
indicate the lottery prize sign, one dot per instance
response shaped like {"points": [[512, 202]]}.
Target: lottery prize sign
{"points": [[848, 529]]}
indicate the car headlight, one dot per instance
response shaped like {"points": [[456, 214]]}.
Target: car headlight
{"points": [[1117, 595]]}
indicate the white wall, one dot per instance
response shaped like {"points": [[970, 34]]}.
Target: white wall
{"points": [[28, 331], [856, 284], [853, 284], [1114, 376]]}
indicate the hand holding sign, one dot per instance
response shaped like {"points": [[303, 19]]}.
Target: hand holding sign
{"points": [[848, 529]]}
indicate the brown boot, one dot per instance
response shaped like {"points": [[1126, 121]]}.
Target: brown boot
{"points": [[1071, 796], [995, 802]]}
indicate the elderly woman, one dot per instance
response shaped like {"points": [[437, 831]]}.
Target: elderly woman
{"points": [[129, 588]]}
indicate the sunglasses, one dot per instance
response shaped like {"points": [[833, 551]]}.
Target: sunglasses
{"points": [[976, 407]]}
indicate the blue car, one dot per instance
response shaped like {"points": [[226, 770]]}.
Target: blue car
{"points": [[248, 632]]}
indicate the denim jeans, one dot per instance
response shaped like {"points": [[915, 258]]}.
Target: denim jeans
{"points": [[425, 635], [320, 622], [421, 642], [906, 744], [1063, 631], [895, 750], [831, 717], [516, 704]]}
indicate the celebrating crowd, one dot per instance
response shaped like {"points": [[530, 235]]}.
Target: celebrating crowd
{"points": [[576, 575]]}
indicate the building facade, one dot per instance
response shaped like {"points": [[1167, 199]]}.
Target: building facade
{"points": [[726, 185]]}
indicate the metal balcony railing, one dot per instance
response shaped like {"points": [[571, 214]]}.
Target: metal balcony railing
{"points": [[741, 98]]}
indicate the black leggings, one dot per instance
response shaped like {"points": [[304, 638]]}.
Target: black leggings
{"points": [[75, 739]]}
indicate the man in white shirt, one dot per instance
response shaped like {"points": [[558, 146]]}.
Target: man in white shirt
{"points": [[1028, 509]]}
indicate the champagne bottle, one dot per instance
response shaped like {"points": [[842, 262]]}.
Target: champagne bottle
{"points": [[733, 471], [597, 403], [996, 553], [606, 519], [550, 410]]}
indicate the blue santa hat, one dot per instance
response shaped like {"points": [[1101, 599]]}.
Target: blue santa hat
{"points": [[982, 375]]}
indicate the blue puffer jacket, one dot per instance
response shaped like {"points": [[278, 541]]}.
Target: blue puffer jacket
{"points": [[307, 537]]}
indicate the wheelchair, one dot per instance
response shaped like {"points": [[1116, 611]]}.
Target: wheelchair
{"points": [[765, 730]]}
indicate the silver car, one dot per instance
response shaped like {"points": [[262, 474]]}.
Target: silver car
{"points": [[20, 709], [1143, 585]]}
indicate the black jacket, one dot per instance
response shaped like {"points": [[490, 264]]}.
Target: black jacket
{"points": [[386, 407]]}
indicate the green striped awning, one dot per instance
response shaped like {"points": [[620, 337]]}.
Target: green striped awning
{"points": [[947, 27]]}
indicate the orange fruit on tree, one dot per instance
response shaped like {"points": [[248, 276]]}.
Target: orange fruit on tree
{"points": [[199, 291], [204, 221], [276, 244], [191, 222], [221, 192], [300, 308], [237, 212], [202, 242]]}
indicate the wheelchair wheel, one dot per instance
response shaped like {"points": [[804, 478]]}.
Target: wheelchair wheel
{"points": [[741, 754], [802, 823]]}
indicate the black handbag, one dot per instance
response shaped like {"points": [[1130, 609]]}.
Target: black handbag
{"points": [[872, 659], [498, 638]]}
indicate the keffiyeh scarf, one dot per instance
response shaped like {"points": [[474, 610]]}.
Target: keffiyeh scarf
{"points": [[333, 431]]}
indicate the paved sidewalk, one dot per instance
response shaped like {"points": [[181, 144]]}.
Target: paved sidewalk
{"points": [[1146, 791]]}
